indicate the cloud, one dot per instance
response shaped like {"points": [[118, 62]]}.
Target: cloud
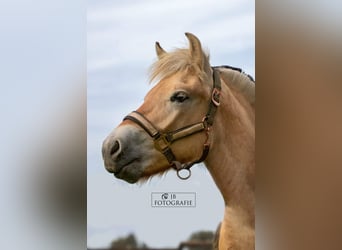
{"points": [[127, 33]]}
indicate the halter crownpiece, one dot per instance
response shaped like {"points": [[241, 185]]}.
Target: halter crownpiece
{"points": [[163, 141]]}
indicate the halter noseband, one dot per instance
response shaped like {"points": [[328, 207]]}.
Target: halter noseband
{"points": [[163, 141]]}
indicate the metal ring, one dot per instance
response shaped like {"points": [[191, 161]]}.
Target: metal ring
{"points": [[187, 176], [215, 97]]}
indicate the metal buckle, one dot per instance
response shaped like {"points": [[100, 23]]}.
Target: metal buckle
{"points": [[161, 143], [215, 97]]}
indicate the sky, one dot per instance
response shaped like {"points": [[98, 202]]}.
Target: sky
{"points": [[120, 48]]}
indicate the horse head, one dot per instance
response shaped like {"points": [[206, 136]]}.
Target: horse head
{"points": [[176, 106]]}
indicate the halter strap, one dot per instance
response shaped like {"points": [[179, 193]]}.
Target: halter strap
{"points": [[163, 141], [215, 97]]}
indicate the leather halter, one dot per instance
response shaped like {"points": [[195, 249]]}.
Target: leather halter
{"points": [[163, 141]]}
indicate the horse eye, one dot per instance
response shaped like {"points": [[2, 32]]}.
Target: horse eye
{"points": [[179, 97]]}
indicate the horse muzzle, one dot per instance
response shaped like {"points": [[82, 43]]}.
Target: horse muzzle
{"points": [[123, 152]]}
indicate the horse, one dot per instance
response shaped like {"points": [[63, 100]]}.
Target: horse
{"points": [[194, 113]]}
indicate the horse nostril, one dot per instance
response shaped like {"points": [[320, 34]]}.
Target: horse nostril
{"points": [[115, 148]]}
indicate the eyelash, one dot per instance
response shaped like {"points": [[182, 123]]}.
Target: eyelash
{"points": [[179, 97]]}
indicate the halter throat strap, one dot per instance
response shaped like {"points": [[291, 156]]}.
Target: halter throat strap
{"points": [[163, 141]]}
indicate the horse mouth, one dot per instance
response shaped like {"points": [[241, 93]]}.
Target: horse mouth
{"points": [[128, 171]]}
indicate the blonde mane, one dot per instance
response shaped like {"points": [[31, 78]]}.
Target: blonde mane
{"points": [[177, 61], [181, 60], [240, 81]]}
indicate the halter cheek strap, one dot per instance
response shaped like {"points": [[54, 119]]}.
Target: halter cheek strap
{"points": [[163, 141]]}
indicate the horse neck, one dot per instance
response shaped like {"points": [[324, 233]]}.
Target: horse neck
{"points": [[231, 158]]}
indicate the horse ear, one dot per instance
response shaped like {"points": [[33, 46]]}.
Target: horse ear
{"points": [[195, 49], [160, 51]]}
